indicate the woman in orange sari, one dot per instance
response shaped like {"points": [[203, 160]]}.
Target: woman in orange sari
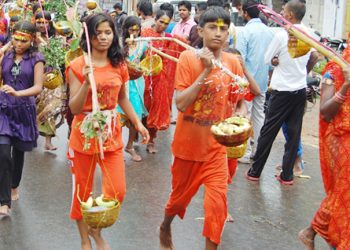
{"points": [[159, 88], [332, 220]]}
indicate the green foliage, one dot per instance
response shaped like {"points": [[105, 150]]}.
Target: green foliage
{"points": [[92, 127], [54, 52], [58, 8], [319, 66]]}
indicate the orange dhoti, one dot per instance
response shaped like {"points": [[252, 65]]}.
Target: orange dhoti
{"points": [[232, 167], [83, 167], [187, 177]]}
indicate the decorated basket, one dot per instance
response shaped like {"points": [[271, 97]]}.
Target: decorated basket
{"points": [[135, 71], [232, 132], [102, 218], [53, 79], [236, 152], [296, 47], [63, 28], [71, 55], [124, 120], [153, 64]]}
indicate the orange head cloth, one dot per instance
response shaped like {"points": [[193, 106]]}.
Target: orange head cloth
{"points": [[22, 35]]}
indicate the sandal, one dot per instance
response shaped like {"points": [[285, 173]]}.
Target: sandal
{"points": [[134, 155], [151, 148]]}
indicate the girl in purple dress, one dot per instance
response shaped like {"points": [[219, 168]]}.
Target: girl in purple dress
{"points": [[22, 71]]}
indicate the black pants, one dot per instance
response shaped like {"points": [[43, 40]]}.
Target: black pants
{"points": [[283, 106], [11, 166]]}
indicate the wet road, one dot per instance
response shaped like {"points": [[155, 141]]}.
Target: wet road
{"points": [[267, 215]]}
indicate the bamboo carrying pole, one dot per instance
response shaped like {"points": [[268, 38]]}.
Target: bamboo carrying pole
{"points": [[217, 63], [300, 34]]}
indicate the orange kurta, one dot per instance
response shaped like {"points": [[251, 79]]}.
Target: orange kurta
{"points": [[83, 162], [332, 220], [199, 159]]}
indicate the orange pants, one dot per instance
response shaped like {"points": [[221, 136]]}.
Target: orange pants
{"points": [[187, 177], [83, 167], [232, 167]]}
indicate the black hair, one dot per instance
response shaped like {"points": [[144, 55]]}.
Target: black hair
{"points": [[130, 21], [47, 16], [14, 19], [233, 51], [187, 5], [29, 28], [36, 6], [298, 8], [145, 7], [167, 7], [201, 6], [161, 13], [250, 6], [115, 52], [212, 14], [218, 3], [118, 6]]}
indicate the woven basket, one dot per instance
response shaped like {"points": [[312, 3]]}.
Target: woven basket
{"points": [[124, 120], [235, 139], [135, 72], [296, 47], [71, 55], [236, 152], [53, 79], [102, 219], [153, 64], [63, 28]]}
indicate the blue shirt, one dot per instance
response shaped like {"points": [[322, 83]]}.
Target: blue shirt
{"points": [[170, 27], [252, 43]]}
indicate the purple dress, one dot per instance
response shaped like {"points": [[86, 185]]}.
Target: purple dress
{"points": [[18, 114]]}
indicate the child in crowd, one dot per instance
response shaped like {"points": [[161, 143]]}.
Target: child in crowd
{"points": [[136, 87], [111, 74], [204, 96], [22, 71]]}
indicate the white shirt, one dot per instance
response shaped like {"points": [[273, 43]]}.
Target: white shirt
{"points": [[290, 74]]}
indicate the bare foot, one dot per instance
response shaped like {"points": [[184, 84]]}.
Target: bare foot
{"points": [[134, 156], [165, 238], [50, 147], [151, 148], [14, 194], [101, 244], [5, 210], [86, 246], [229, 218], [307, 236]]}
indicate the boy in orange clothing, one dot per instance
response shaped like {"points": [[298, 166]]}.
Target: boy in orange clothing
{"points": [[204, 96]]}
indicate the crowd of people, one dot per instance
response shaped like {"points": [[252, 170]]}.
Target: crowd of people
{"points": [[114, 43]]}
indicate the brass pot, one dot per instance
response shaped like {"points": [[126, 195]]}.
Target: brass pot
{"points": [[53, 79], [91, 4]]}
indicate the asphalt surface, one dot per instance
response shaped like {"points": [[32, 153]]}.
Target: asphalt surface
{"points": [[267, 215]]}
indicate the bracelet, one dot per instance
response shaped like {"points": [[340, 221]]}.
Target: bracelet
{"points": [[339, 98]]}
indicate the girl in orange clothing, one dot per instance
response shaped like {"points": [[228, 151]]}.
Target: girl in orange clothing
{"points": [[110, 73]]}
